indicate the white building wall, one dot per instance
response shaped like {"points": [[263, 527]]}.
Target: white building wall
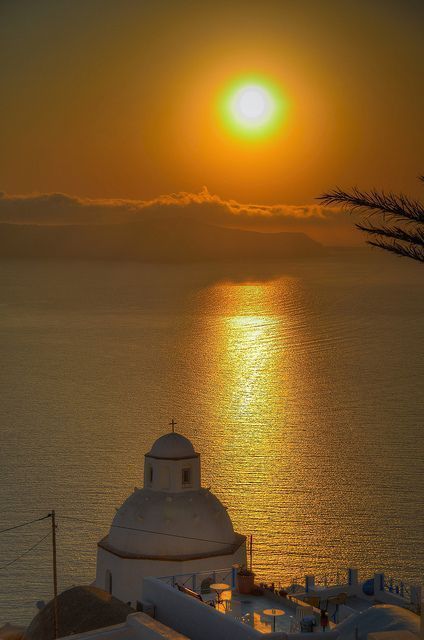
{"points": [[128, 573], [166, 475], [194, 619]]}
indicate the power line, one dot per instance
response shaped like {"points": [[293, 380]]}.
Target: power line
{"points": [[24, 524], [117, 526], [25, 552], [159, 533], [174, 535]]}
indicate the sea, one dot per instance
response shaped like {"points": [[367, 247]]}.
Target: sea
{"points": [[301, 385]]}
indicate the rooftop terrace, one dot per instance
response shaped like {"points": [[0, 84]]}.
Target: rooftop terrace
{"points": [[300, 605]]}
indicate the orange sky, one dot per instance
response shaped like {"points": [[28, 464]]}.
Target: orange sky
{"points": [[117, 99]]}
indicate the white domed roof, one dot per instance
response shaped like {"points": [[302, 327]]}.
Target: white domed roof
{"points": [[197, 521], [172, 446]]}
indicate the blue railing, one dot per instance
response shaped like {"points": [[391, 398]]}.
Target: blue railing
{"points": [[397, 587]]}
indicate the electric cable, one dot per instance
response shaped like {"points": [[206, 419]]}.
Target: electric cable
{"points": [[4, 566], [160, 533], [24, 524], [174, 535]]}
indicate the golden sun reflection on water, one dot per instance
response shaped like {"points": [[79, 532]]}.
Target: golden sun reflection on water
{"points": [[250, 357], [252, 351], [250, 367], [261, 381]]}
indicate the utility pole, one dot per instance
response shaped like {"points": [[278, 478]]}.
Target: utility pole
{"points": [[55, 608], [251, 552]]}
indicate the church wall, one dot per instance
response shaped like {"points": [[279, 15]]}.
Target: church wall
{"points": [[127, 573]]}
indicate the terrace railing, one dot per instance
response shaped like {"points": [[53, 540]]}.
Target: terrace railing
{"points": [[200, 581], [398, 587]]}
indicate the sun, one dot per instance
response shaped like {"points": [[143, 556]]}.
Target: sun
{"points": [[252, 107]]}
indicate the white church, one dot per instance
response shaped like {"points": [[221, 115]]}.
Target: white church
{"points": [[171, 526]]}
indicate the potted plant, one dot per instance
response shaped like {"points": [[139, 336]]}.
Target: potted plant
{"points": [[245, 580]]}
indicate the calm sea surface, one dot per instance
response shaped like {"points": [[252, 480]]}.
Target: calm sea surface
{"points": [[302, 387]]}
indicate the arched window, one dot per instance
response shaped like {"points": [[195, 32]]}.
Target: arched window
{"points": [[108, 581]]}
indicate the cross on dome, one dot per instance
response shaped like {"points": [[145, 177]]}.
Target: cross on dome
{"points": [[172, 424]]}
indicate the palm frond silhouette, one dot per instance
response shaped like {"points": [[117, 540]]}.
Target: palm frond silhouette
{"points": [[393, 222]]}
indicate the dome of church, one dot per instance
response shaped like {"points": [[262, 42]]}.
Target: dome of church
{"points": [[172, 524], [196, 523], [172, 446]]}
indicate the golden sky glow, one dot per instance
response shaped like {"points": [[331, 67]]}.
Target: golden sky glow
{"points": [[107, 99]]}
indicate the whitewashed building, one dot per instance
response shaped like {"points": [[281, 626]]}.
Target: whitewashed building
{"points": [[171, 526]]}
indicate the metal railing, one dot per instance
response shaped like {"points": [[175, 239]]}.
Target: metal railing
{"points": [[332, 579], [397, 587], [201, 580]]}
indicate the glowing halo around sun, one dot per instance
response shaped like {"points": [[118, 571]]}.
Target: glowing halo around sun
{"points": [[252, 107]]}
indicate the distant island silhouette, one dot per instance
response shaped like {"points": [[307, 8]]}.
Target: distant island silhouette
{"points": [[153, 241]]}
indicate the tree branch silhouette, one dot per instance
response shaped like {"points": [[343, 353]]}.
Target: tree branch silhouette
{"points": [[394, 222]]}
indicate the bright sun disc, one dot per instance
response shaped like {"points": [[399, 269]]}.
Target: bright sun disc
{"points": [[252, 104], [251, 107]]}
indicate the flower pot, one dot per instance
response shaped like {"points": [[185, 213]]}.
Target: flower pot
{"points": [[245, 583]]}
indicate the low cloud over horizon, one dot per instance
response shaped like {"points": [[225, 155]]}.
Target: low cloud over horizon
{"points": [[328, 226]]}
